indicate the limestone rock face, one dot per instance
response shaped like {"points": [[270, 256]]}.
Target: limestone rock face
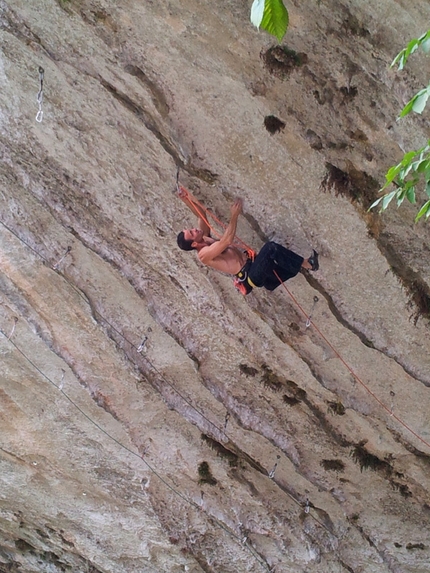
{"points": [[152, 419]]}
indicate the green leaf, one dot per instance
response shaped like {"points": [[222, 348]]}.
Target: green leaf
{"points": [[400, 197], [275, 18], [402, 56], [399, 59], [410, 195], [428, 188], [392, 174], [411, 48], [408, 107], [421, 101], [407, 158], [423, 165], [375, 203], [425, 210], [257, 12], [387, 200]]}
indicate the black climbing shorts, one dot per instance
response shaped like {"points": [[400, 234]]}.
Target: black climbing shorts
{"points": [[274, 257]]}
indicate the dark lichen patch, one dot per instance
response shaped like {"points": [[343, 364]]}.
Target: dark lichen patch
{"points": [[270, 379], [397, 544], [336, 407], [325, 95], [340, 145], [273, 124], [366, 460], [221, 451], [24, 546], [357, 135], [290, 400], [333, 465], [419, 292], [299, 393], [411, 546], [358, 186], [349, 92], [280, 60], [401, 488], [248, 370], [273, 382], [205, 474], [352, 25], [314, 140], [279, 334]]}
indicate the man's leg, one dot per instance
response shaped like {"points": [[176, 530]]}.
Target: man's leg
{"points": [[286, 263]]}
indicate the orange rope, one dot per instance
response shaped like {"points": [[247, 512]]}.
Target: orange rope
{"points": [[352, 371]]}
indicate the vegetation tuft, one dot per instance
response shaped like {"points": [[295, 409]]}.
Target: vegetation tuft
{"points": [[401, 488], [366, 460], [270, 379], [205, 474], [333, 465], [290, 400], [280, 60], [247, 370], [221, 451], [415, 546], [356, 185], [336, 407]]}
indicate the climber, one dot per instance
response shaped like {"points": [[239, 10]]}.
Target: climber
{"points": [[224, 256]]}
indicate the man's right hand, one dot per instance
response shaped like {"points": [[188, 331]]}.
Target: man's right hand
{"points": [[236, 208], [182, 193]]}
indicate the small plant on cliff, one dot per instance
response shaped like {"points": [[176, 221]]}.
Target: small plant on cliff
{"points": [[271, 15], [414, 169]]}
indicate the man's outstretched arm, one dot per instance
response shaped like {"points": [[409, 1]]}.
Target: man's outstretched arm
{"points": [[197, 210], [207, 254]]}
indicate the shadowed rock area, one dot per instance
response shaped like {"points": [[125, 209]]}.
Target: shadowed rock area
{"points": [[153, 419]]}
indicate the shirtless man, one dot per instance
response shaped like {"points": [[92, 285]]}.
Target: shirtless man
{"points": [[223, 256]]}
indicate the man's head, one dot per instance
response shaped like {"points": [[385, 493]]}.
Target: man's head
{"points": [[183, 243], [188, 239]]}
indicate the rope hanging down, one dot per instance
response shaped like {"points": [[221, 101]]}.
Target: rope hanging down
{"points": [[356, 377]]}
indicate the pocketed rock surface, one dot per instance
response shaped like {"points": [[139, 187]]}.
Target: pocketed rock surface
{"points": [[153, 419]]}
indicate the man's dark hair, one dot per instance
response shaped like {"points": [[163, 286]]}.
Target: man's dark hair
{"points": [[183, 243]]}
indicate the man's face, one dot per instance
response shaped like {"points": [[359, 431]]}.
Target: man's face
{"points": [[195, 235]]}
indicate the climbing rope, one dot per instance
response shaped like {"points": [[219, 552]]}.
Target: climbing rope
{"points": [[356, 377]]}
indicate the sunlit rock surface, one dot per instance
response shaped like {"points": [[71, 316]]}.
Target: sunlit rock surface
{"points": [[152, 419]]}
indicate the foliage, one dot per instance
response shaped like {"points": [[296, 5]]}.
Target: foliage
{"points": [[414, 169], [405, 176], [271, 15], [414, 44]]}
